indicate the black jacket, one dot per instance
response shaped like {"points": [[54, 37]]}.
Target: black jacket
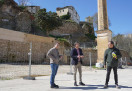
{"points": [[74, 55]]}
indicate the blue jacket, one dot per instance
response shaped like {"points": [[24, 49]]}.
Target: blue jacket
{"points": [[74, 55]]}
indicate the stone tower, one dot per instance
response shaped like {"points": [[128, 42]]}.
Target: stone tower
{"points": [[104, 35], [89, 19]]}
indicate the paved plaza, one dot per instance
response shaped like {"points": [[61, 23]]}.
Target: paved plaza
{"points": [[94, 80]]}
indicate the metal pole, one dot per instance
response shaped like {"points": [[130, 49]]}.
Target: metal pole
{"points": [[121, 62], [30, 56], [70, 73], [90, 59], [126, 61], [71, 64], [30, 59]]}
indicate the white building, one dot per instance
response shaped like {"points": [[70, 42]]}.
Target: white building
{"points": [[33, 9], [74, 15], [128, 35]]}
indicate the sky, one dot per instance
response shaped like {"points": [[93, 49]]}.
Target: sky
{"points": [[119, 11]]}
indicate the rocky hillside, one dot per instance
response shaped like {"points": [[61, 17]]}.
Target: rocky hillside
{"points": [[77, 31], [14, 17]]}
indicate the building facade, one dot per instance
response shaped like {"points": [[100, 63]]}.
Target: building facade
{"points": [[128, 35], [71, 10], [33, 9]]}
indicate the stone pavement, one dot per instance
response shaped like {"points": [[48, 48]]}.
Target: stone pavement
{"points": [[93, 79]]}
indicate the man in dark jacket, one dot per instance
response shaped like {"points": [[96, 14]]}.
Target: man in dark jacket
{"points": [[111, 56], [77, 56]]}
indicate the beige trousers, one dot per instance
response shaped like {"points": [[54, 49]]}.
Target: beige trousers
{"points": [[79, 67]]}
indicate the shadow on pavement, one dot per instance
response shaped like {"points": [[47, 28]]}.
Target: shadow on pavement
{"points": [[92, 87], [83, 88], [110, 86], [125, 86]]}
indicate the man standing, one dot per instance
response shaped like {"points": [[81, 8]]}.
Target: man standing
{"points": [[77, 56], [111, 56], [54, 56]]}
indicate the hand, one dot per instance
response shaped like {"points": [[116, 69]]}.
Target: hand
{"points": [[78, 56], [61, 57], [105, 66], [82, 56], [115, 57]]}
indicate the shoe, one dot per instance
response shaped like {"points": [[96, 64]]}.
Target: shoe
{"points": [[117, 86], [52, 86], [105, 86], [56, 86], [75, 84], [81, 83]]}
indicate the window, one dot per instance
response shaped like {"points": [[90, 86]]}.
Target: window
{"points": [[60, 11], [63, 10]]}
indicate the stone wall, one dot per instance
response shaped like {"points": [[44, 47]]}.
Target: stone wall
{"points": [[14, 46], [23, 22], [13, 51], [17, 52], [87, 52]]}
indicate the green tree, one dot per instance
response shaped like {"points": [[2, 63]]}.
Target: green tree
{"points": [[123, 42], [1, 2], [90, 36], [47, 21], [66, 17]]}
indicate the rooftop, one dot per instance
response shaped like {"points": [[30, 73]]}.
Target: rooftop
{"points": [[60, 8]]}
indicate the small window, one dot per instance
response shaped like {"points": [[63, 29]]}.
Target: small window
{"points": [[63, 10], [60, 11]]}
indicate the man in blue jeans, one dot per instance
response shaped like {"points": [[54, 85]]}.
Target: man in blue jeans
{"points": [[54, 56]]}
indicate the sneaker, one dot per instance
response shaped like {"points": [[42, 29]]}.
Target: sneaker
{"points": [[75, 84], [105, 86], [117, 86], [81, 83]]}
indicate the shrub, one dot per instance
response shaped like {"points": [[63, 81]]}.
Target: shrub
{"points": [[1, 2], [91, 36], [22, 7], [65, 17]]}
